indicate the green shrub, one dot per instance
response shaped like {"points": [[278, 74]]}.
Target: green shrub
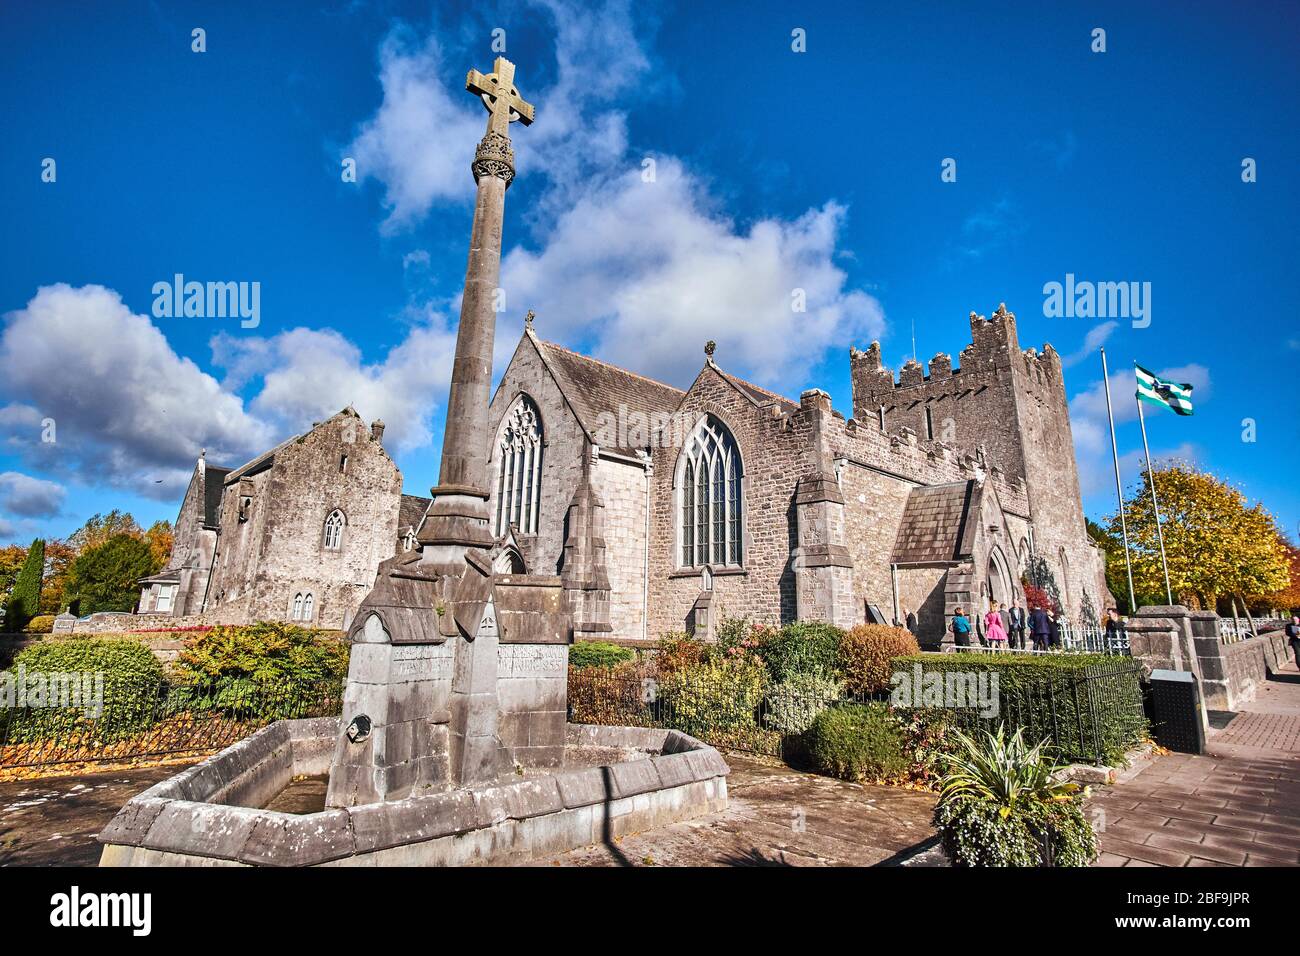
{"points": [[598, 654], [1002, 804], [793, 704], [802, 647], [622, 695], [858, 742], [40, 624], [866, 656], [1052, 696], [271, 670], [675, 651], [132, 684], [716, 700]]}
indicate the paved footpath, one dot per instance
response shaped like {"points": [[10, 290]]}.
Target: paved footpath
{"points": [[1238, 805]]}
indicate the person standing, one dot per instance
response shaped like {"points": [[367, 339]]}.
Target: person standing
{"points": [[1039, 628], [1293, 637], [994, 630], [1114, 629], [1016, 627], [1053, 631], [960, 628], [981, 628]]}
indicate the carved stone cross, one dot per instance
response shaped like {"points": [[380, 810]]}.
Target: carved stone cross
{"points": [[499, 95]]}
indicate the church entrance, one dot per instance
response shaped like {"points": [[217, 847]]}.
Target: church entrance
{"points": [[999, 579]]}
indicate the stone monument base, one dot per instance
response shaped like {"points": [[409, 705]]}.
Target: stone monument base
{"points": [[210, 814]]}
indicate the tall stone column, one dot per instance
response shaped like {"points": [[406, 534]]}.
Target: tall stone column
{"points": [[458, 517], [823, 568]]}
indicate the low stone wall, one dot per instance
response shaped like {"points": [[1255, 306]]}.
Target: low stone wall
{"points": [[1233, 672], [206, 816], [109, 623]]}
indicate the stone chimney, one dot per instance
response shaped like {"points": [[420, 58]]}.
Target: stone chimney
{"points": [[377, 430]]}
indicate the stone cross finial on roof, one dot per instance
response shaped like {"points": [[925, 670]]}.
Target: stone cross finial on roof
{"points": [[710, 347], [528, 319]]}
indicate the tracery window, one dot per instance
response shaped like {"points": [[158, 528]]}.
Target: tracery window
{"points": [[709, 497], [519, 477]]}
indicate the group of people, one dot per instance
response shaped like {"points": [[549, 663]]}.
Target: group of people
{"points": [[1007, 627]]}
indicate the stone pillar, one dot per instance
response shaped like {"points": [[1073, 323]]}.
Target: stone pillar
{"points": [[1162, 637], [394, 728], [586, 580], [476, 755], [458, 515], [823, 569]]}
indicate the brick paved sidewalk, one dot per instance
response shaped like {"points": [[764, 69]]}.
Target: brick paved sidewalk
{"points": [[1238, 805]]}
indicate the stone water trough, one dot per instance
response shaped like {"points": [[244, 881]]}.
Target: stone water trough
{"points": [[613, 781]]}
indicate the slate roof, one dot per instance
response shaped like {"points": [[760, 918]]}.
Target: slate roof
{"points": [[411, 512], [213, 485], [939, 523], [592, 387]]}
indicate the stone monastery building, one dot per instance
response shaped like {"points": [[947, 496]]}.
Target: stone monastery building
{"points": [[665, 510]]}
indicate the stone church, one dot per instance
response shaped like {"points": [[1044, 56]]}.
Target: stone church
{"points": [[667, 510], [295, 534]]}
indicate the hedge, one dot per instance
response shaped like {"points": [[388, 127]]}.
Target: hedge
{"points": [[1050, 696], [858, 742], [131, 678], [598, 654]]}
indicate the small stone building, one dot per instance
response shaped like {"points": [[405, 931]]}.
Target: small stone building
{"points": [[295, 534], [667, 510]]}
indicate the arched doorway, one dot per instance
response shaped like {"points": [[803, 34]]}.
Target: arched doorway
{"points": [[999, 579]]}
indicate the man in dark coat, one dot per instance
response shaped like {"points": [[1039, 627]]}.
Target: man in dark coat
{"points": [[1016, 628], [1039, 628]]}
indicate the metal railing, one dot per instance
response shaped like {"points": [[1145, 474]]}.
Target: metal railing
{"points": [[156, 719], [1073, 638]]}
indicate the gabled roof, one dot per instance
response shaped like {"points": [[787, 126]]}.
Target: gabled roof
{"points": [[411, 512], [939, 523], [592, 387], [756, 393], [267, 458]]}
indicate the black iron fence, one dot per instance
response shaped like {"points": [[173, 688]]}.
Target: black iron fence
{"points": [[125, 720], [1090, 713]]}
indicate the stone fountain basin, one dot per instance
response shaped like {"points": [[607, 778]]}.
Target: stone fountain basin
{"points": [[211, 814]]}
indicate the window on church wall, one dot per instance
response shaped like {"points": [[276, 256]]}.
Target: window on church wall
{"points": [[519, 475], [710, 493], [308, 606], [333, 536], [929, 423], [297, 607]]}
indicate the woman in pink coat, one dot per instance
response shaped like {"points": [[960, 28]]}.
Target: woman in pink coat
{"points": [[994, 632]]}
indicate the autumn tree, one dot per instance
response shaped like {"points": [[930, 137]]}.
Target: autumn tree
{"points": [[106, 577], [11, 562], [59, 556], [1216, 545], [1286, 598], [159, 538], [99, 528]]}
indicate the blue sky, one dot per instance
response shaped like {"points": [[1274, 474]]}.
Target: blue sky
{"points": [[773, 170]]}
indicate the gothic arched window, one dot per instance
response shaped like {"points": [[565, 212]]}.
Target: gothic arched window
{"points": [[297, 607], [333, 539], [709, 497], [519, 476], [308, 605]]}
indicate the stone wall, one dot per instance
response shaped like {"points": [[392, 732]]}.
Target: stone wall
{"points": [[278, 551], [624, 488]]}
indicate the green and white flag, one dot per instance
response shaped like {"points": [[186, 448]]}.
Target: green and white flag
{"points": [[1159, 392]]}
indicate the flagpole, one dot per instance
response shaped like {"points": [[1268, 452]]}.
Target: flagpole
{"points": [[1119, 487], [1151, 480]]}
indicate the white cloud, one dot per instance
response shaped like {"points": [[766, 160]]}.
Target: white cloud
{"points": [[131, 413], [648, 271], [127, 409], [29, 497], [654, 293], [1097, 336], [308, 374]]}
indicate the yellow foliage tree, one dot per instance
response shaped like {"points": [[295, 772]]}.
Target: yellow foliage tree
{"points": [[1216, 545]]}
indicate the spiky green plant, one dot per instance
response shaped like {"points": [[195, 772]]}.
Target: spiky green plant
{"points": [[1002, 802]]}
